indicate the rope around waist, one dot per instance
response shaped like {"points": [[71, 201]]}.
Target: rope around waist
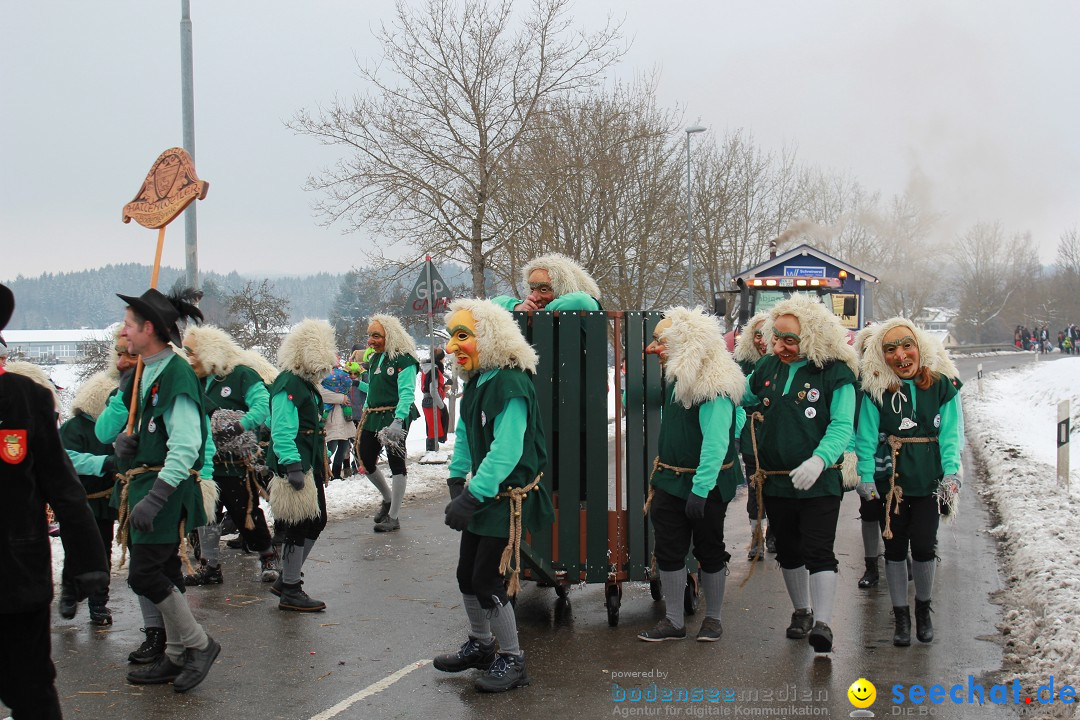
{"points": [[896, 493]]}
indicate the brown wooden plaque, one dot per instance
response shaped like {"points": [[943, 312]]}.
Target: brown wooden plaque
{"points": [[169, 187]]}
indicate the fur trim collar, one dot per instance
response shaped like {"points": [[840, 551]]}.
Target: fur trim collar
{"points": [[861, 338], [697, 361], [877, 377], [566, 275], [308, 351], [259, 364], [398, 340], [824, 339], [94, 393], [218, 352], [745, 350], [499, 341], [35, 373]]}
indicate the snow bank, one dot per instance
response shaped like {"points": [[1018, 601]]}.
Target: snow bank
{"points": [[1011, 430]]}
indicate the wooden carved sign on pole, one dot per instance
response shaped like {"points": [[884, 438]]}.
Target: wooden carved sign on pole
{"points": [[169, 187]]}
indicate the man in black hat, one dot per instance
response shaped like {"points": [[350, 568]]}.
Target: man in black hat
{"points": [[161, 492], [34, 470]]}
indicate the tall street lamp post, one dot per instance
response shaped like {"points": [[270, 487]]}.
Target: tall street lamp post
{"points": [[689, 222]]}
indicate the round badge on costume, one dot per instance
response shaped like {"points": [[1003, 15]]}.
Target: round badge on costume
{"points": [[226, 391], [811, 413], [151, 426], [937, 420], [483, 418], [765, 402], [813, 395], [390, 370], [153, 399]]}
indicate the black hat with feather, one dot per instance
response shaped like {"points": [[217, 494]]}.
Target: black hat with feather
{"points": [[165, 311]]}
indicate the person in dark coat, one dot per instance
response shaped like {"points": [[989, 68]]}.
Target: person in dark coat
{"points": [[35, 470]]}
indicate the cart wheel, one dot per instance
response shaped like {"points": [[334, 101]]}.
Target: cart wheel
{"points": [[562, 591], [562, 608], [690, 595], [613, 599], [656, 589]]}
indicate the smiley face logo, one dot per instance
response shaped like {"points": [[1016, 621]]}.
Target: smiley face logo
{"points": [[862, 693]]}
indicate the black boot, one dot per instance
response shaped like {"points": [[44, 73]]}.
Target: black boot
{"points": [[69, 601], [802, 621], [161, 672], [924, 628], [505, 673], [902, 637], [293, 597], [821, 638], [197, 664], [152, 648], [100, 614], [205, 575], [384, 512], [472, 654], [870, 577]]}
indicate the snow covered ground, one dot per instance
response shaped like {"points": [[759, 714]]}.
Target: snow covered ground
{"points": [[1011, 430]]}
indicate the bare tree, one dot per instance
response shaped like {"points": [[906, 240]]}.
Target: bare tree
{"points": [[985, 261], [433, 146], [259, 318]]}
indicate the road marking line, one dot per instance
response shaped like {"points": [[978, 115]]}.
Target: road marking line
{"points": [[369, 690]]}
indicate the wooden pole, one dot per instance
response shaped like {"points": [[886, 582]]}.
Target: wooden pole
{"points": [[139, 364]]}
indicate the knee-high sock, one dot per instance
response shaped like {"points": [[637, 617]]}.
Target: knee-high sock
{"points": [[210, 544], [871, 538], [673, 583], [479, 624], [151, 616], [797, 581], [292, 560], [308, 544], [398, 494], [896, 576], [923, 574], [379, 482], [822, 594], [504, 627], [181, 629], [713, 584]]}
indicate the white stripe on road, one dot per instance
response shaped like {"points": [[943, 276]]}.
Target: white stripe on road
{"points": [[368, 691]]}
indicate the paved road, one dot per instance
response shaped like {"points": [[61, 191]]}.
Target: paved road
{"points": [[393, 604]]}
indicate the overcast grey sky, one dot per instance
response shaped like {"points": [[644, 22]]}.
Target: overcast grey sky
{"points": [[980, 98]]}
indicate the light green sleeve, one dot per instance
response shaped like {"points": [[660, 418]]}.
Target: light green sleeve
{"points": [[505, 452], [461, 463], [740, 420], [284, 424], [866, 438], [207, 471], [406, 392], [86, 463], [506, 303], [112, 419], [714, 417], [257, 398], [184, 423], [573, 301], [841, 425], [950, 437]]}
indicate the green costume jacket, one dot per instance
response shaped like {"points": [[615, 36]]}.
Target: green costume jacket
{"points": [[391, 383], [296, 433], [88, 455], [243, 390], [700, 437], [570, 301]]}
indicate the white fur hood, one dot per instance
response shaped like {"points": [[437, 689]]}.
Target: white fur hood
{"points": [[823, 338], [566, 275], [697, 359], [308, 351], [745, 350], [398, 341], [94, 392], [876, 376], [499, 341], [218, 353], [36, 374]]}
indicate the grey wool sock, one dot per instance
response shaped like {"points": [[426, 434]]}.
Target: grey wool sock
{"points": [[308, 544], [504, 627], [896, 576], [871, 538], [479, 625], [210, 544], [398, 494], [797, 581], [292, 560], [151, 616], [673, 583], [379, 482], [923, 575], [822, 595], [713, 585], [181, 629]]}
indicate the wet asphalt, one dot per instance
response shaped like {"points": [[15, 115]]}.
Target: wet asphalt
{"points": [[393, 604]]}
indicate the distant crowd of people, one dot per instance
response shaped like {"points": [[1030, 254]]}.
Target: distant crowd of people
{"points": [[1040, 339]]}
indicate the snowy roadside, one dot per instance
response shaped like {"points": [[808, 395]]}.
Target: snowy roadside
{"points": [[1011, 430]]}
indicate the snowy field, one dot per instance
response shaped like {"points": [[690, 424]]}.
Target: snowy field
{"points": [[1011, 430]]}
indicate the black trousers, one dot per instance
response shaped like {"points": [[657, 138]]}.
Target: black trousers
{"points": [[478, 569], [872, 510], [370, 447], [750, 465], [339, 456], [917, 525], [234, 496], [805, 531], [101, 597], [296, 534], [154, 570], [675, 532], [27, 674]]}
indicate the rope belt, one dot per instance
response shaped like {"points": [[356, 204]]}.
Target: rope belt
{"points": [[325, 458], [122, 534], [896, 493], [363, 419], [100, 495], [511, 557], [657, 465]]}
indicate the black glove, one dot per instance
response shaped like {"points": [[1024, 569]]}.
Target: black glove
{"points": [[108, 468], [460, 510], [89, 583], [294, 473], [143, 514], [227, 433], [126, 445], [695, 506], [456, 485]]}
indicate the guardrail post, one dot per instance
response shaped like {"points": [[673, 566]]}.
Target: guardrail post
{"points": [[1064, 420], [980, 375]]}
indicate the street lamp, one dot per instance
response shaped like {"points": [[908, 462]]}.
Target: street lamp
{"points": [[689, 223]]}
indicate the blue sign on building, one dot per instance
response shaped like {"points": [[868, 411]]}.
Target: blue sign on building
{"points": [[804, 271]]}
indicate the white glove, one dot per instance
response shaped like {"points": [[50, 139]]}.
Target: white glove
{"points": [[804, 476], [867, 491]]}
